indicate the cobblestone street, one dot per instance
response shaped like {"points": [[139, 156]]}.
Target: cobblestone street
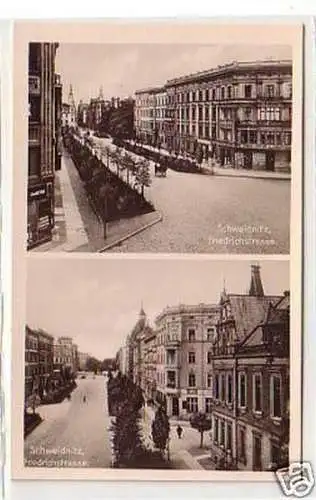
{"points": [[215, 214]]}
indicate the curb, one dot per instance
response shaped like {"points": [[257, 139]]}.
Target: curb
{"points": [[130, 235], [270, 178]]}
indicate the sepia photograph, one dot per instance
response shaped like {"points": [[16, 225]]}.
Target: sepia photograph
{"points": [[157, 364], [159, 148]]}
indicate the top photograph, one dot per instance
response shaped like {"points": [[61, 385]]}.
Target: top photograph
{"points": [[160, 148]]}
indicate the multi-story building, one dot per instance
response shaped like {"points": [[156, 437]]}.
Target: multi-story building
{"points": [[185, 336], [83, 114], [38, 361], [82, 360], [66, 355], [31, 381], [122, 360], [148, 128], [44, 97], [250, 379], [69, 111], [150, 362], [239, 113]]}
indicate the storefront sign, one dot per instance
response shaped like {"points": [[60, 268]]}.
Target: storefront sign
{"points": [[37, 192]]}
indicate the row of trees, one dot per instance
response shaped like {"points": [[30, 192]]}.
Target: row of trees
{"points": [[125, 400], [110, 195]]}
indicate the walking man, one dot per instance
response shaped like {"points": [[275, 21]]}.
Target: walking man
{"points": [[179, 431]]}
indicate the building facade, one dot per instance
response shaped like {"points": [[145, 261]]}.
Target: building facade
{"points": [[250, 380], [38, 361], [239, 114], [82, 360], [184, 340], [66, 356], [44, 91], [150, 106]]}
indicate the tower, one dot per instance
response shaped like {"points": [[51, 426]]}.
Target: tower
{"points": [[101, 96], [72, 107], [256, 287]]}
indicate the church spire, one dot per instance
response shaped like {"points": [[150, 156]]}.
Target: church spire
{"points": [[256, 287], [142, 313], [71, 99], [101, 97]]}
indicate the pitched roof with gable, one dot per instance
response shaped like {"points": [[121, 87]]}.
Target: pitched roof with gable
{"points": [[249, 311]]}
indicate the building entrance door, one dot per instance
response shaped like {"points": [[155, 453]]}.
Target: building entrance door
{"points": [[175, 406], [270, 161], [248, 160]]}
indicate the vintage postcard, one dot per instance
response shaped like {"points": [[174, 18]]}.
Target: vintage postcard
{"points": [[160, 147], [157, 250]]}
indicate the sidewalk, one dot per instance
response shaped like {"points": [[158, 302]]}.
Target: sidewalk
{"points": [[185, 451], [77, 228], [253, 174]]}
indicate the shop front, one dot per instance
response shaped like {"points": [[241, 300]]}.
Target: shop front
{"points": [[40, 215]]}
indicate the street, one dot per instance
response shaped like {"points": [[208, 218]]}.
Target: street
{"points": [[73, 432], [210, 214]]}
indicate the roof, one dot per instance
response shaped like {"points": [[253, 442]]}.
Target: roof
{"points": [[232, 66], [249, 311]]}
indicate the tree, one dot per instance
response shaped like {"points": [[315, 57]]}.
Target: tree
{"points": [[33, 401], [93, 364], [160, 429], [201, 422], [142, 177]]}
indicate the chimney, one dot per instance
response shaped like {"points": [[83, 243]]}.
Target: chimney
{"points": [[256, 288]]}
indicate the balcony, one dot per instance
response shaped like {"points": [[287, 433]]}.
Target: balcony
{"points": [[34, 85]]}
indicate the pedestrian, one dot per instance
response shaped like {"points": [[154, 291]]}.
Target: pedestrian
{"points": [[84, 398], [179, 431]]}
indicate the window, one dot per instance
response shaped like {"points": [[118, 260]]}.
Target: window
{"points": [[34, 162], [270, 91], [200, 95], [275, 396], [209, 380], [192, 405], [287, 138], [244, 136], [242, 444], [229, 436], [242, 390], [191, 357], [216, 386], [222, 434], [275, 453], [229, 389], [200, 117], [206, 94], [248, 91], [223, 388], [257, 452], [213, 94], [229, 92], [223, 93], [209, 357], [192, 380], [193, 113], [208, 405], [191, 335], [257, 392], [252, 138], [216, 430]]}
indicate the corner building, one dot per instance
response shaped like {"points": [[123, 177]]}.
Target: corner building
{"points": [[184, 336], [240, 114]]}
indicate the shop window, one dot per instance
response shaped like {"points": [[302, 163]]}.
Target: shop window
{"points": [[216, 429], [223, 387], [222, 433], [257, 453], [229, 436], [209, 381], [216, 386], [242, 444], [229, 389]]}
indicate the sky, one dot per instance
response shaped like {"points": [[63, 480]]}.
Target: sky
{"points": [[123, 68], [96, 301]]}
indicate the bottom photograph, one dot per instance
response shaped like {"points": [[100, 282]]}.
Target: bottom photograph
{"points": [[157, 364]]}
